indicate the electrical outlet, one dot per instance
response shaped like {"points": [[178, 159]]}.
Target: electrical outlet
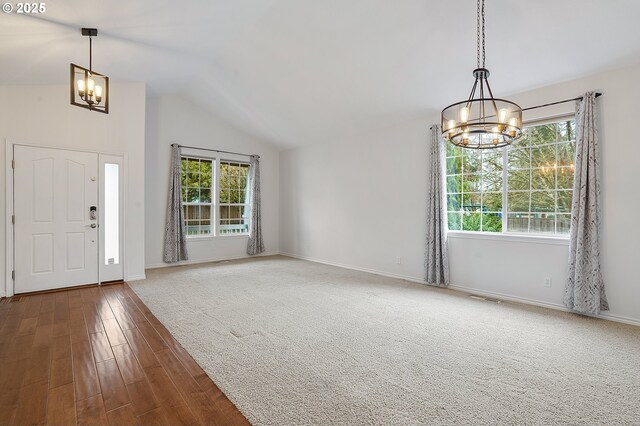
{"points": [[547, 281], [398, 260]]}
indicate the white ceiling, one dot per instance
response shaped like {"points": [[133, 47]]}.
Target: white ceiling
{"points": [[297, 72]]}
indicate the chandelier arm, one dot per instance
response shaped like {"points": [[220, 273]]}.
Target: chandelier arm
{"points": [[495, 107], [90, 55], [473, 93]]}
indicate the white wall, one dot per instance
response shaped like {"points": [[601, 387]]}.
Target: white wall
{"points": [[360, 202], [42, 115], [172, 119]]}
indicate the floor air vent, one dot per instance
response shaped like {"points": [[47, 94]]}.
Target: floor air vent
{"points": [[486, 299]]}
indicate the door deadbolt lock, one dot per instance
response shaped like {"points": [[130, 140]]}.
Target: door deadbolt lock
{"points": [[92, 212]]}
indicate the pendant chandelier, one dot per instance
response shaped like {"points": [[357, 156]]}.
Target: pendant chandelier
{"points": [[89, 89], [482, 121]]}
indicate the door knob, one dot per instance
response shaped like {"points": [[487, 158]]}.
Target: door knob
{"points": [[93, 225]]}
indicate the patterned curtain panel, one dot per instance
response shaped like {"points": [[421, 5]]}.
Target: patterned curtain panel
{"points": [[255, 244], [175, 240], [584, 291], [436, 261]]}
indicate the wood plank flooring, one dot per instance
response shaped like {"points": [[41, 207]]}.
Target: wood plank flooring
{"points": [[97, 355]]}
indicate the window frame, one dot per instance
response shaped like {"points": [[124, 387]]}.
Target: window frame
{"points": [[504, 234], [214, 204]]}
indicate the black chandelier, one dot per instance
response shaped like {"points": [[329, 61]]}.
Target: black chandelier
{"points": [[89, 89], [482, 121]]}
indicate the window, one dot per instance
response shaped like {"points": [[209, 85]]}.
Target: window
{"points": [[234, 198], [523, 188], [215, 195]]}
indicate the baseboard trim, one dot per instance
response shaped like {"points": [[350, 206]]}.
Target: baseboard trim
{"points": [[540, 303], [215, 259], [357, 268], [469, 290], [136, 277]]}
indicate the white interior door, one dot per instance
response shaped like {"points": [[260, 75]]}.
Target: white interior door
{"points": [[56, 235]]}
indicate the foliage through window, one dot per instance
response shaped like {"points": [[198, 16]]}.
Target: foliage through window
{"points": [[215, 195], [523, 188]]}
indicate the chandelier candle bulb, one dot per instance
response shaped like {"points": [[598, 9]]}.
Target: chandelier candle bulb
{"points": [[464, 114], [81, 88]]}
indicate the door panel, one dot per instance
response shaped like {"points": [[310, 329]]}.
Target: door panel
{"points": [[55, 243]]}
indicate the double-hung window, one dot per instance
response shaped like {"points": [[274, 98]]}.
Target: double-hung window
{"points": [[215, 196], [523, 188]]}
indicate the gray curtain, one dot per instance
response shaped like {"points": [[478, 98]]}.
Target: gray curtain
{"points": [[175, 241], [436, 261], [584, 291], [255, 244]]}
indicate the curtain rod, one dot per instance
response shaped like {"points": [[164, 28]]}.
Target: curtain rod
{"points": [[579, 98], [214, 150]]}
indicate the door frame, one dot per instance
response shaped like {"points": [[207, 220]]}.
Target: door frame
{"points": [[9, 208]]}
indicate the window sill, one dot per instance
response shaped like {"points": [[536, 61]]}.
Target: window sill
{"points": [[218, 237], [516, 238]]}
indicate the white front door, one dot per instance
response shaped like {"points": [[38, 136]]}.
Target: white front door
{"points": [[56, 235]]}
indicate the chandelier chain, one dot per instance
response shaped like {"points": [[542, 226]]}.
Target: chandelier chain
{"points": [[478, 35], [483, 50]]}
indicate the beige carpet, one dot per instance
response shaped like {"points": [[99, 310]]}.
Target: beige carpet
{"points": [[298, 343]]}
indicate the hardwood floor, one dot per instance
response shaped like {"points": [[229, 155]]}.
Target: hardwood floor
{"points": [[97, 355]]}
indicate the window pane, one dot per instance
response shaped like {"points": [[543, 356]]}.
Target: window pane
{"points": [[518, 222], [544, 156], [471, 222], [453, 150], [492, 202], [542, 134], [565, 178], [544, 178], [564, 201], [563, 223], [566, 154], [455, 221], [518, 159], [454, 165], [543, 201], [454, 183], [492, 161], [518, 180], [454, 202], [543, 223], [471, 183], [111, 214], [224, 212], [566, 130], [492, 222], [471, 161], [224, 195], [492, 181], [205, 212], [518, 201], [471, 202]]}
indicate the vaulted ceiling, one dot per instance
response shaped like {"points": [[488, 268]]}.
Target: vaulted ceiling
{"points": [[297, 72]]}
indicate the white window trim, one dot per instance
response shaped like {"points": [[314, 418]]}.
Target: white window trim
{"points": [[561, 240], [554, 239]]}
